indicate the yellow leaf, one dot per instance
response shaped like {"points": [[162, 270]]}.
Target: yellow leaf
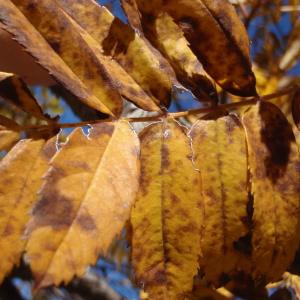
{"points": [[20, 178], [14, 90], [217, 37], [81, 84], [167, 216], [220, 155], [8, 138], [169, 38], [274, 169], [130, 50], [84, 202]]}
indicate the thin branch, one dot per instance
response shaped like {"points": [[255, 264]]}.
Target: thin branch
{"points": [[290, 8], [175, 115]]}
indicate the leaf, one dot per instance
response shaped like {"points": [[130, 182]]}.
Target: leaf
{"points": [[168, 37], [84, 202], [217, 37], [14, 90], [167, 216], [296, 108], [8, 138], [220, 155], [274, 169], [136, 56], [13, 21], [20, 178]]}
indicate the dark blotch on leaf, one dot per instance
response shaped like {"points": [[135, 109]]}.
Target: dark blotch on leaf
{"points": [[86, 222], [53, 210], [243, 244], [102, 128], [165, 153], [278, 136]]}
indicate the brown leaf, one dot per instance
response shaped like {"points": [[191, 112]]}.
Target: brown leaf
{"points": [[21, 173], [84, 202], [13, 21], [14, 90], [274, 169], [167, 216]]}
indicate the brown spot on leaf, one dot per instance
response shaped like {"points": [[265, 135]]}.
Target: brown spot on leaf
{"points": [[55, 45], [53, 209], [101, 129], [277, 135], [165, 163], [86, 222], [175, 200], [158, 277]]}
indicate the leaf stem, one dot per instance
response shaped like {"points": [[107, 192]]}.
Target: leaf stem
{"points": [[197, 111]]}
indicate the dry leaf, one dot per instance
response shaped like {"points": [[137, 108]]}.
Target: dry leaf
{"points": [[167, 216], [274, 169], [220, 155], [84, 203]]}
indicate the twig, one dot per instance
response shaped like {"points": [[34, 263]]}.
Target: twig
{"points": [[175, 115]]}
